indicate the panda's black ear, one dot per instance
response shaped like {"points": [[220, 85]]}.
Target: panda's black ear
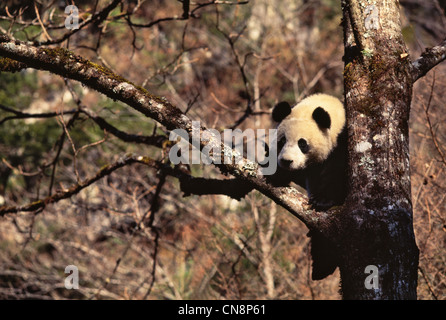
{"points": [[281, 110], [322, 118]]}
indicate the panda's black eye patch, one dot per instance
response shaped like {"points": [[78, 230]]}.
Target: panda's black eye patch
{"points": [[303, 145], [322, 118]]}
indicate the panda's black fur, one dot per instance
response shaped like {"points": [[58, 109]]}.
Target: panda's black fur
{"points": [[324, 177]]}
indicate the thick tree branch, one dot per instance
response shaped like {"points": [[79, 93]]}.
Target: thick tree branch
{"points": [[10, 65], [429, 59], [66, 64]]}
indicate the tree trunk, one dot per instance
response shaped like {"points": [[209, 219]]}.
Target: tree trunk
{"points": [[377, 228]]}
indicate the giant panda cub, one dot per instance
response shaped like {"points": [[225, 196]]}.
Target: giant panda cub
{"points": [[312, 152]]}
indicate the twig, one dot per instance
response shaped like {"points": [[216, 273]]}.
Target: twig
{"points": [[241, 67], [41, 23], [23, 115], [221, 104], [96, 18], [185, 14], [60, 142], [67, 193], [431, 290], [154, 140], [154, 258], [153, 209], [189, 185], [67, 134], [431, 129]]}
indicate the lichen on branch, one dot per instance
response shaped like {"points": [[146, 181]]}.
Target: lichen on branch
{"points": [[429, 59]]}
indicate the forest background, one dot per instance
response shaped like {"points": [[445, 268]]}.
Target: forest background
{"points": [[133, 234]]}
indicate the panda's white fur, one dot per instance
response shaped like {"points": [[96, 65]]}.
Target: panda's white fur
{"points": [[312, 152], [300, 124]]}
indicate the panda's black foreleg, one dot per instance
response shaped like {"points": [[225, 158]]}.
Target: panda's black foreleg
{"points": [[324, 255], [319, 204], [323, 251]]}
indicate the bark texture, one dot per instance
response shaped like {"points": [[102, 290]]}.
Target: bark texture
{"points": [[377, 222]]}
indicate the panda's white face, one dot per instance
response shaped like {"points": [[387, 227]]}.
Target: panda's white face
{"points": [[301, 143], [307, 133]]}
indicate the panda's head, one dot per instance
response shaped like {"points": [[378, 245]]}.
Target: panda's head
{"points": [[307, 133]]}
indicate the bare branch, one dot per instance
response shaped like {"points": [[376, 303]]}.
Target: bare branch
{"points": [[65, 194], [23, 115], [188, 184], [429, 59], [96, 18], [185, 14], [430, 126], [154, 140]]}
